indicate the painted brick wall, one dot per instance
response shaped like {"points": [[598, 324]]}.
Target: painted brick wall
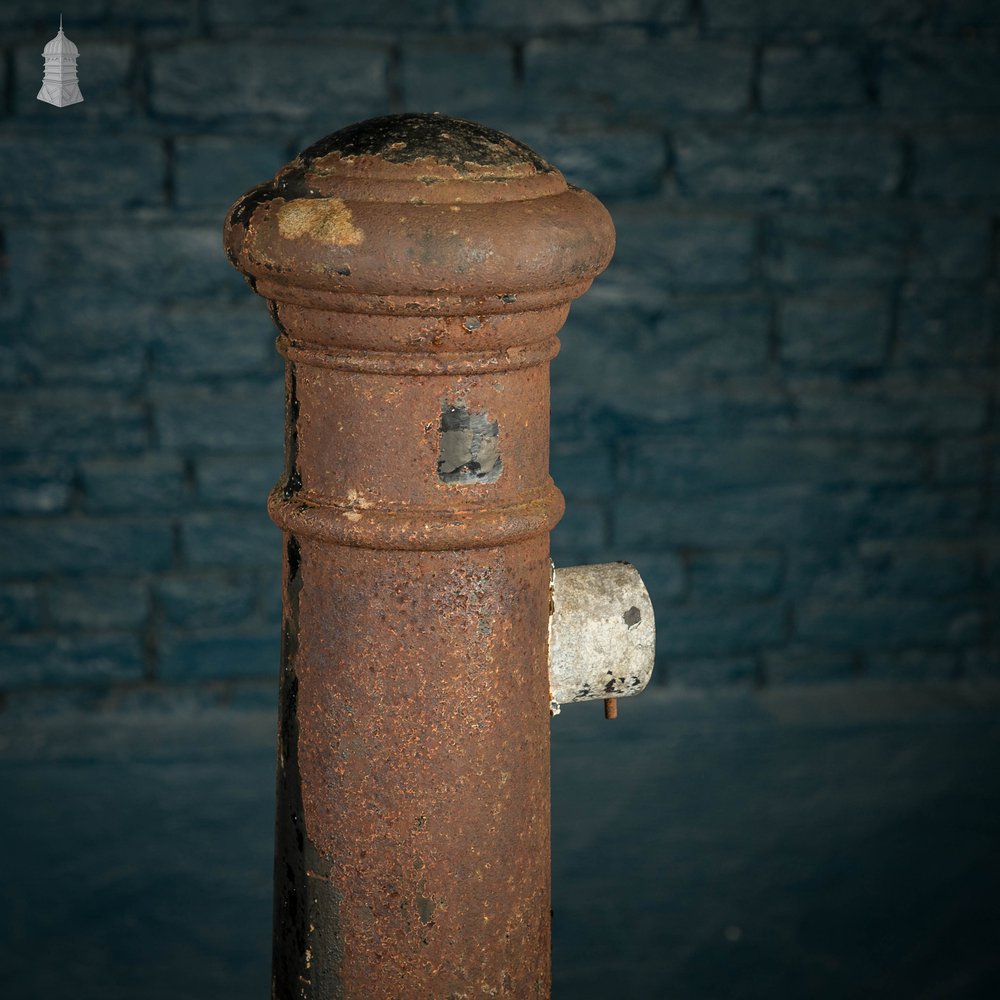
{"points": [[780, 402]]}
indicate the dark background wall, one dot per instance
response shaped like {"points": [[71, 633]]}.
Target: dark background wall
{"points": [[780, 402]]}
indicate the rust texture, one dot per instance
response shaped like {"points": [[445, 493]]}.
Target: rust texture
{"points": [[418, 269]]}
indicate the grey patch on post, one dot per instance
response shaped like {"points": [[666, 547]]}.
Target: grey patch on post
{"points": [[470, 447]]}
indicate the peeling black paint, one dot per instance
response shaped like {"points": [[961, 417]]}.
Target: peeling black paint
{"points": [[307, 947], [293, 478], [409, 137]]}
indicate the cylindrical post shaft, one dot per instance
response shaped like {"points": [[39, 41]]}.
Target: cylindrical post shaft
{"points": [[413, 854]]}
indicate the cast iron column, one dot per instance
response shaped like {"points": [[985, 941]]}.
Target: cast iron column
{"points": [[418, 268]]}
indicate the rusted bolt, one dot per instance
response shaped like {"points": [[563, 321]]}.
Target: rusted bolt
{"points": [[417, 268]]}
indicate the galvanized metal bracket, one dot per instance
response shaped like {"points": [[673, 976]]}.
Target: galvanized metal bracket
{"points": [[602, 634]]}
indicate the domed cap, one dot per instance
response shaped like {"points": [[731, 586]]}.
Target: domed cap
{"points": [[60, 45], [419, 213]]}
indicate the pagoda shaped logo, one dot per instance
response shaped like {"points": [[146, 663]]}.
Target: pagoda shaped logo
{"points": [[59, 85]]}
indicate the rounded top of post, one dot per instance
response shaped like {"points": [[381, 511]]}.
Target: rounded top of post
{"points": [[420, 214], [60, 45], [469, 149]]}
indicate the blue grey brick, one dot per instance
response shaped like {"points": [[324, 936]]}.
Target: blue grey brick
{"points": [[890, 406], [663, 573], [106, 81], [640, 387], [765, 517], [818, 574], [285, 81], [211, 172], [191, 342], [154, 16], [993, 567], [73, 171], [719, 629], [36, 661], [14, 372], [669, 78], [807, 15], [152, 700], [151, 482], [796, 664], [941, 75], [194, 600], [616, 323], [527, 15], [310, 14], [36, 15], [187, 657], [269, 597], [20, 607], [252, 695], [924, 567], [582, 468], [70, 423], [805, 165], [711, 672], [981, 664], [962, 460], [235, 481], [729, 407], [834, 332], [885, 623], [624, 163], [230, 539], [246, 421], [740, 573], [614, 338], [965, 14], [82, 339], [659, 252], [952, 246], [821, 78], [912, 665], [98, 603], [466, 78], [582, 529], [721, 334], [821, 249], [895, 512], [957, 166], [36, 487], [81, 545], [593, 325], [147, 262], [929, 569], [685, 464], [49, 702], [943, 325]]}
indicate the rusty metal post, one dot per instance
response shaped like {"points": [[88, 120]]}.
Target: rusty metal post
{"points": [[418, 268]]}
